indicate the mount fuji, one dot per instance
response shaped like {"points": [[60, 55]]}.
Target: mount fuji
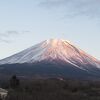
{"points": [[52, 58]]}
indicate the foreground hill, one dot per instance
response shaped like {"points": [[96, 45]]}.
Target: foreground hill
{"points": [[55, 89]]}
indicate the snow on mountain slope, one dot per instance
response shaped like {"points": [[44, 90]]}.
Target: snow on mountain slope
{"points": [[52, 50]]}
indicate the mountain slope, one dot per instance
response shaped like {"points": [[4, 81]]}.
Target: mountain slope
{"points": [[57, 52]]}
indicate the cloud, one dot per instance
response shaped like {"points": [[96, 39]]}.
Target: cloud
{"points": [[6, 37], [73, 8]]}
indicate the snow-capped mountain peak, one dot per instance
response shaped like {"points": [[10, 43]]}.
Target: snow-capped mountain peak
{"points": [[52, 57], [52, 50]]}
